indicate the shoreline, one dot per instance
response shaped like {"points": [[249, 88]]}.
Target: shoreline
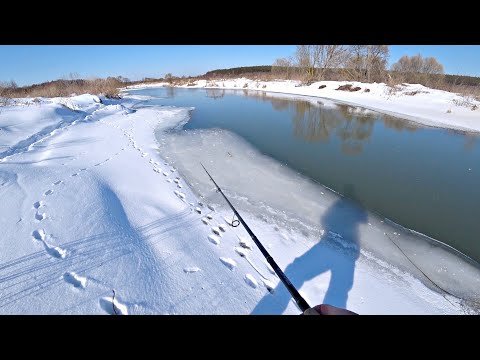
{"points": [[429, 107]]}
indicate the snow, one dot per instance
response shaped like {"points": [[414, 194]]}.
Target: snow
{"points": [[90, 226], [414, 102]]}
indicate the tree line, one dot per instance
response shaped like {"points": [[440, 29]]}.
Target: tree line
{"points": [[366, 63]]}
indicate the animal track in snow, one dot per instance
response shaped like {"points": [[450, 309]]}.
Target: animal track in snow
{"points": [[39, 234], [240, 252], [75, 280], [191, 269], [229, 263], [38, 204], [108, 304], [269, 267], [55, 251], [244, 243], [214, 239], [250, 280], [179, 194], [48, 192], [40, 216], [58, 182], [269, 285]]}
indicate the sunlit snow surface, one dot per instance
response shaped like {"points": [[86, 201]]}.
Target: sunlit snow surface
{"points": [[305, 213], [91, 208]]}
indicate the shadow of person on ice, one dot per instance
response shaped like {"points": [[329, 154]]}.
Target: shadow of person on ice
{"points": [[337, 252]]}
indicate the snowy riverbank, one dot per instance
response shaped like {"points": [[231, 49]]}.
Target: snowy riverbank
{"points": [[410, 101], [91, 206]]}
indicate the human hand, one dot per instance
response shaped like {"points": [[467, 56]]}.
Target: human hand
{"points": [[325, 309]]}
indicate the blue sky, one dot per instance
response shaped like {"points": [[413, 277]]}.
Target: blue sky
{"points": [[38, 63]]}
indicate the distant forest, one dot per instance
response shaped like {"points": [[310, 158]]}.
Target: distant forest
{"points": [[267, 69]]}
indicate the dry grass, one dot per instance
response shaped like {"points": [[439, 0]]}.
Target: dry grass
{"points": [[106, 87]]}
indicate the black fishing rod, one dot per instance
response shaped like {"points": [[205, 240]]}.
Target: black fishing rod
{"points": [[301, 303]]}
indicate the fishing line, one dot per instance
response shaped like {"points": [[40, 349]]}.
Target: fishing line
{"points": [[433, 282]]}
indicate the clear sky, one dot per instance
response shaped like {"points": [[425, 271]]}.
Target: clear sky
{"points": [[37, 63]]}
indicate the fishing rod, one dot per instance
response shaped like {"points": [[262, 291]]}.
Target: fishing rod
{"points": [[301, 303]]}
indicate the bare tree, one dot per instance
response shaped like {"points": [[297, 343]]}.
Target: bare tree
{"points": [[169, 78], [432, 66], [283, 66], [417, 69], [367, 62], [315, 59]]}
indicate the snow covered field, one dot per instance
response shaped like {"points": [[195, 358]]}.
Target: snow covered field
{"points": [[90, 206]]}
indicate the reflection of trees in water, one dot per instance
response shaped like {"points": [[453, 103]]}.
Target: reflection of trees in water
{"points": [[399, 124], [470, 141], [352, 125], [215, 93], [170, 92]]}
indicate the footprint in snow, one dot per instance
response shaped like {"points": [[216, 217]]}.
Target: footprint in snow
{"points": [[76, 174], [250, 280], [75, 280], [229, 263], [113, 307], [40, 216], [38, 204], [55, 251], [39, 234], [269, 285], [222, 227], [211, 207], [269, 267], [189, 270], [98, 164], [214, 239], [58, 182], [48, 192], [198, 210], [216, 230], [205, 221], [240, 251], [169, 180], [165, 173], [244, 243], [209, 217], [179, 194], [179, 186]]}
